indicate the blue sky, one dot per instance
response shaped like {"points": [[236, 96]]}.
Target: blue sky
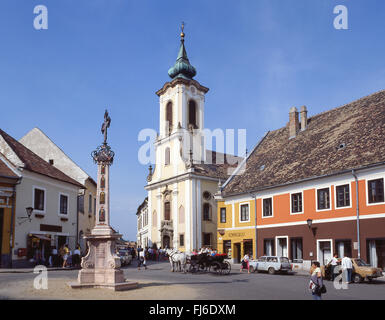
{"points": [[258, 57]]}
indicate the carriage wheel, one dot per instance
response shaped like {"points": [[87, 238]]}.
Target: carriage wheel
{"points": [[226, 268], [215, 267], [201, 267]]}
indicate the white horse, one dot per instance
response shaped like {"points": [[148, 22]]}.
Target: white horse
{"points": [[177, 260]]}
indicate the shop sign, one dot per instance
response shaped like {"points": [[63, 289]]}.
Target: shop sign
{"points": [[236, 234]]}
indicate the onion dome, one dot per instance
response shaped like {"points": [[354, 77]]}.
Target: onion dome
{"points": [[182, 67]]}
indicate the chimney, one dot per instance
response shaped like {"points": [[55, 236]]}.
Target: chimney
{"points": [[293, 123], [303, 114]]}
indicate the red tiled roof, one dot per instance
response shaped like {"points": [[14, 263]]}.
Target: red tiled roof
{"points": [[36, 164], [5, 171], [358, 126]]}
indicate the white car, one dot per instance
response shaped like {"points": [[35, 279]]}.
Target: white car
{"points": [[125, 257], [271, 264]]}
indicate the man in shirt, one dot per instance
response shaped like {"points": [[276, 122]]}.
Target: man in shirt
{"points": [[347, 268], [333, 263]]}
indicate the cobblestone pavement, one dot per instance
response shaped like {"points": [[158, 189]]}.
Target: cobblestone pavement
{"points": [[157, 282]]}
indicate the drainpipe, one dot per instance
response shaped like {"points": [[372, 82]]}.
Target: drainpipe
{"points": [[13, 216], [358, 215], [256, 230]]}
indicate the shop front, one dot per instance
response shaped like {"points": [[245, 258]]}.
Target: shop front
{"points": [[236, 243], [39, 246], [320, 241]]}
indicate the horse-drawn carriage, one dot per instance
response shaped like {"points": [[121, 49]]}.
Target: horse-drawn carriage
{"points": [[207, 262]]}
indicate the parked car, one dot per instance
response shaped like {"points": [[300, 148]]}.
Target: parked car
{"points": [[125, 257], [271, 264], [361, 271]]}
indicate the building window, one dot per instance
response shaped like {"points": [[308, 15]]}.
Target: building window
{"points": [[376, 191], [181, 240], [167, 211], [268, 247], [63, 204], [223, 215], [90, 203], [206, 212], [94, 206], [38, 203], [343, 248], [323, 199], [296, 202], [81, 203], [169, 116], [192, 114], [268, 207], [244, 212], [207, 239], [296, 249], [167, 156], [343, 196]]}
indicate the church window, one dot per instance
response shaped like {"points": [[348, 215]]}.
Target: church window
{"points": [[167, 211], [167, 156], [169, 116], [192, 114], [206, 212]]}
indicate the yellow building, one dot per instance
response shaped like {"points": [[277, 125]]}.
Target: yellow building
{"points": [[236, 228], [8, 180]]}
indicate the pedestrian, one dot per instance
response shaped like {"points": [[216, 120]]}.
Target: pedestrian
{"points": [[333, 263], [142, 260], [347, 268], [316, 285], [76, 257], [245, 263], [55, 257], [66, 251]]}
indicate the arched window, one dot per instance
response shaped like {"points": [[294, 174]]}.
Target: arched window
{"points": [[192, 114], [169, 117], [167, 156], [206, 212]]}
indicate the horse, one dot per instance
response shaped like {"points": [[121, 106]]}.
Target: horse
{"points": [[177, 260]]}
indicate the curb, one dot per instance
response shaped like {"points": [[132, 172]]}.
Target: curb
{"points": [[31, 270]]}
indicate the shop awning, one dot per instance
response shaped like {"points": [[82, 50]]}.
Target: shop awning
{"points": [[41, 236]]}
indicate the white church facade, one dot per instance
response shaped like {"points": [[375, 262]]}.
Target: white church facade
{"points": [[181, 206]]}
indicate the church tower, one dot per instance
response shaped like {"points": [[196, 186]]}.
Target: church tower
{"points": [[175, 186]]}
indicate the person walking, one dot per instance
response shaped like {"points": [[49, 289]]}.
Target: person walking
{"points": [[333, 264], [245, 263], [66, 251], [316, 285], [347, 268]]}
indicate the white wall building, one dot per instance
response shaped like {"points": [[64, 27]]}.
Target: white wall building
{"points": [[37, 141], [53, 197]]}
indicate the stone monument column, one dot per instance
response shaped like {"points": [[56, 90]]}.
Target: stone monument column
{"points": [[101, 265]]}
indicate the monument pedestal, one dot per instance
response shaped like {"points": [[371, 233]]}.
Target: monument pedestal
{"points": [[101, 265]]}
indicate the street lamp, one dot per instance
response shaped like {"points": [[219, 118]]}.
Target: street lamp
{"points": [[29, 211], [309, 222]]}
